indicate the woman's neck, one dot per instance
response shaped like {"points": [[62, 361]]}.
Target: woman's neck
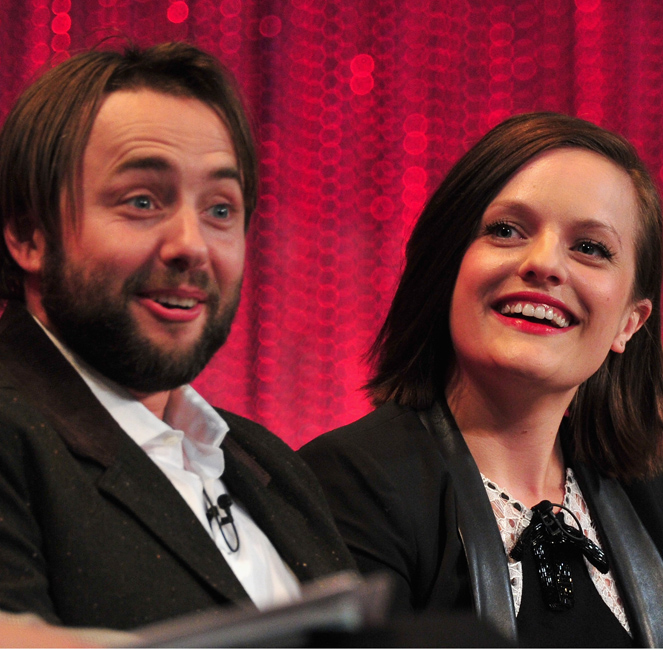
{"points": [[513, 440]]}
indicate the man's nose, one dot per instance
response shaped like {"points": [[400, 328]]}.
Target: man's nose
{"points": [[544, 260], [183, 243]]}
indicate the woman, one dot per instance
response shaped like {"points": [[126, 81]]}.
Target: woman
{"points": [[519, 366]]}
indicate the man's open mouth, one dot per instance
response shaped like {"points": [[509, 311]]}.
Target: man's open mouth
{"points": [[174, 302]]}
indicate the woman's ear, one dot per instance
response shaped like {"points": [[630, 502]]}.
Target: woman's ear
{"points": [[640, 311], [29, 252]]}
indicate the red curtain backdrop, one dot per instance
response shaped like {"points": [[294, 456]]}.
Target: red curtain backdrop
{"points": [[361, 107]]}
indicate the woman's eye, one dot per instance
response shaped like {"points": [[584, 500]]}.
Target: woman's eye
{"points": [[593, 249], [502, 231], [141, 202]]}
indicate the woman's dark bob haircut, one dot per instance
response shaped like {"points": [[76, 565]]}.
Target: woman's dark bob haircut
{"points": [[616, 416], [44, 137]]}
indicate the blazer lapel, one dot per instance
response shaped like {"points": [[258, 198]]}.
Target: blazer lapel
{"points": [[636, 562], [282, 521], [489, 573], [34, 365], [138, 484]]}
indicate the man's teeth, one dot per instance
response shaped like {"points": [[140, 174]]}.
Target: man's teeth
{"points": [[173, 302], [539, 312]]}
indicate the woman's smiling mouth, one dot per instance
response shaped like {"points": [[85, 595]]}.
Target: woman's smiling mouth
{"points": [[533, 312]]}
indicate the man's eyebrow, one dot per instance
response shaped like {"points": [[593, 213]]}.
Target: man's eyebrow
{"points": [[226, 172], [153, 163], [149, 163]]}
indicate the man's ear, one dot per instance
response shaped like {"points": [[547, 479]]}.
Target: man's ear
{"points": [[28, 253], [640, 311]]}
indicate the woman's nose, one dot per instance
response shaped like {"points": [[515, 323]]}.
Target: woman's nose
{"points": [[544, 261]]}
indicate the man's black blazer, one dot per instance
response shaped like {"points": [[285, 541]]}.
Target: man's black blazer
{"points": [[92, 533]]}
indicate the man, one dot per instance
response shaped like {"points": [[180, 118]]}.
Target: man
{"points": [[126, 186]]}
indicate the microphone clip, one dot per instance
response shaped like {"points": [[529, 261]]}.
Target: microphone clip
{"points": [[223, 502]]}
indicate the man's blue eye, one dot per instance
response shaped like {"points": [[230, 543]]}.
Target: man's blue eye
{"points": [[141, 202], [220, 211]]}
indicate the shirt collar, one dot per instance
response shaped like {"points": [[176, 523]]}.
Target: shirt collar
{"points": [[185, 411]]}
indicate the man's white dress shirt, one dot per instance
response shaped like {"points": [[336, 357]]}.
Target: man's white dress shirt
{"points": [[186, 447]]}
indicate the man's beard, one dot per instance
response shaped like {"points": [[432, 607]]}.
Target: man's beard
{"points": [[96, 323]]}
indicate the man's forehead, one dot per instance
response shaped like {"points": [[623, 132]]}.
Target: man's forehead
{"points": [[143, 107], [147, 96], [144, 124]]}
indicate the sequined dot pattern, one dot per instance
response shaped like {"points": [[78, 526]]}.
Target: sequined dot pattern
{"points": [[360, 108]]}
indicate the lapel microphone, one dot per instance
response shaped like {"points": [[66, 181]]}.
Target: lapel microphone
{"points": [[223, 502]]}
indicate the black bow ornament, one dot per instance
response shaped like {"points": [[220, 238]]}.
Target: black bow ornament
{"points": [[552, 541]]}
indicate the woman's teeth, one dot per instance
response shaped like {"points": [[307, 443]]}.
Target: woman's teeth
{"points": [[539, 312]]}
